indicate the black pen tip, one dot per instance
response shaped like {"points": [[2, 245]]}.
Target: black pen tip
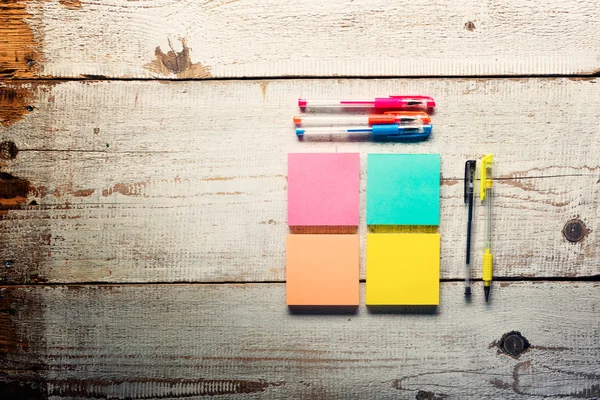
{"points": [[486, 291]]}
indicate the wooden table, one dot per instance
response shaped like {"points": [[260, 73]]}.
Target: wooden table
{"points": [[143, 197]]}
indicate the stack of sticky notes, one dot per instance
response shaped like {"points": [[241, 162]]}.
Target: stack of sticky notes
{"points": [[322, 270], [403, 190], [402, 268], [323, 191]]}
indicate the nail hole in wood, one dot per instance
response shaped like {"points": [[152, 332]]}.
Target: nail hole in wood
{"points": [[470, 26]]}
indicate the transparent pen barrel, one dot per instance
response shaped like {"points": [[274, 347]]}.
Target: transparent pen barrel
{"points": [[488, 219], [333, 120], [404, 119], [333, 130], [337, 103]]}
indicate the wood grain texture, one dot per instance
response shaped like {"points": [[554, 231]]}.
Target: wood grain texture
{"points": [[245, 38], [189, 341], [150, 182], [186, 181], [20, 54]]}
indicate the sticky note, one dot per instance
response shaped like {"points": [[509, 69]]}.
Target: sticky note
{"points": [[322, 270], [403, 189], [403, 269], [323, 189]]}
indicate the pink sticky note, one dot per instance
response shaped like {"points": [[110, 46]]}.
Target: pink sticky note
{"points": [[323, 189]]}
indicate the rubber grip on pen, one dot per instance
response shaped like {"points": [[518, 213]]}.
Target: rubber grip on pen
{"points": [[377, 119], [487, 266], [388, 103]]}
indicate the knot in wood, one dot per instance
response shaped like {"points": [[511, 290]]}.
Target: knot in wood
{"points": [[513, 343], [575, 230], [8, 150]]}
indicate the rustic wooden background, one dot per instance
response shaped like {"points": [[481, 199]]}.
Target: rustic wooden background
{"points": [[143, 197]]}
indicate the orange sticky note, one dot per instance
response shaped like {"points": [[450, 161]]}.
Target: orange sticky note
{"points": [[322, 270]]}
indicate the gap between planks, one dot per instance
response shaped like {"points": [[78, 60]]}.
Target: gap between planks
{"points": [[549, 279], [93, 78]]}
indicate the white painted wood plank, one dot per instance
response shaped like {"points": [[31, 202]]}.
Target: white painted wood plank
{"points": [[186, 181], [187, 341], [269, 38]]}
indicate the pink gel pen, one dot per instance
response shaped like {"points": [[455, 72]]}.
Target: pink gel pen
{"points": [[408, 102]]}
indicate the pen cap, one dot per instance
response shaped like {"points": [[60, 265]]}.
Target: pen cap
{"points": [[470, 167], [403, 103], [486, 175], [416, 100], [398, 132], [409, 116]]}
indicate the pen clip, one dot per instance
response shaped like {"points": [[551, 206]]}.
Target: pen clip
{"points": [[486, 176], [470, 166], [410, 96]]}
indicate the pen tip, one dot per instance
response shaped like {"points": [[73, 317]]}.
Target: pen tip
{"points": [[486, 291]]}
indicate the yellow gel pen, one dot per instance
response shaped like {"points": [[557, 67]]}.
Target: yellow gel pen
{"points": [[485, 194]]}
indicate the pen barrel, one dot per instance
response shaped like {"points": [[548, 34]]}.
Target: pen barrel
{"points": [[333, 130], [335, 103], [414, 119], [469, 229], [402, 103], [326, 120], [488, 219], [487, 266]]}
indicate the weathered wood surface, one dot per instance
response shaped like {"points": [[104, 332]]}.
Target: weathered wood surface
{"points": [[247, 38], [189, 341], [186, 181], [150, 182]]}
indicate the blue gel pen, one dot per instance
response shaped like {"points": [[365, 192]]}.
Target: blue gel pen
{"points": [[376, 132]]}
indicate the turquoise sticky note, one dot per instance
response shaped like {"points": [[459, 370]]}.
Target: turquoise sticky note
{"points": [[403, 189]]}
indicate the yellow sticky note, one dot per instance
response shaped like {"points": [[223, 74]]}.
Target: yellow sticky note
{"points": [[403, 269]]}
